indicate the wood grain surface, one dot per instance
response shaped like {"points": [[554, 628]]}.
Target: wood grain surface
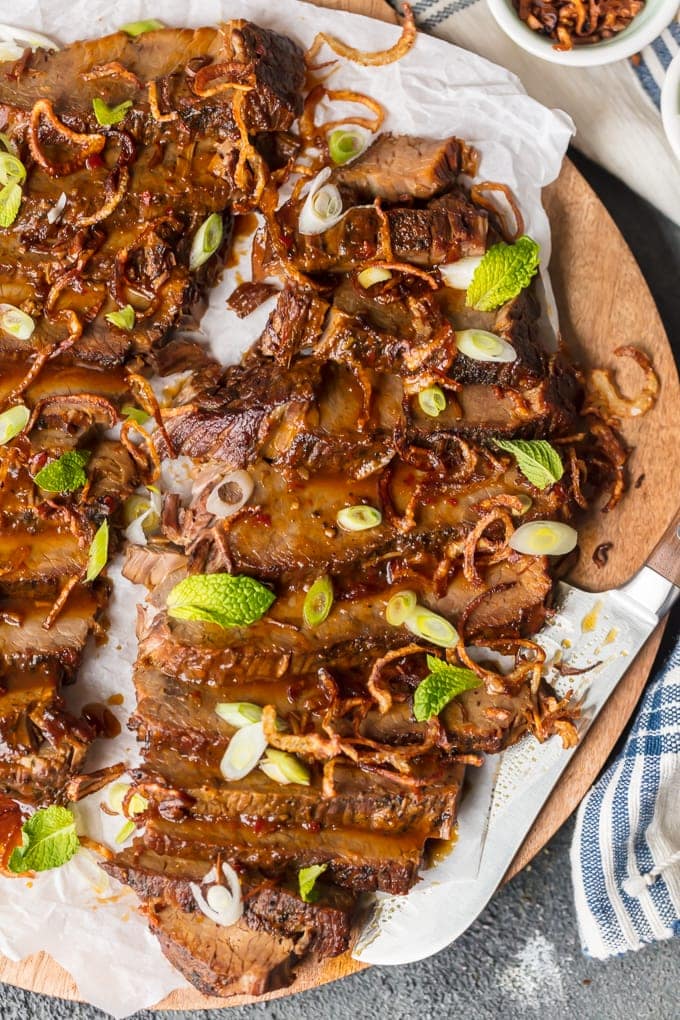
{"points": [[603, 302]]}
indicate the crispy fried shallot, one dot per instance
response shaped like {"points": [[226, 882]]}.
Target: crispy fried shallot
{"points": [[86, 145], [381, 694], [478, 197], [376, 58], [606, 401], [315, 134]]}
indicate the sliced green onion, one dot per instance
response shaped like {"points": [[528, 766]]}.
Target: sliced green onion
{"points": [[359, 518], [544, 538], [399, 607], [125, 833], [12, 422], [10, 200], [322, 207], [280, 763], [459, 274], [15, 322], [245, 749], [481, 345], [137, 804], [344, 145], [136, 413], [12, 170], [526, 501], [135, 28], [239, 713], [99, 552], [107, 115], [123, 318], [373, 274], [431, 627], [318, 602], [207, 240], [116, 795], [7, 142], [432, 401], [136, 506]]}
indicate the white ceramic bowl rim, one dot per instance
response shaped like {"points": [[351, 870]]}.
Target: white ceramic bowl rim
{"points": [[670, 104], [643, 29]]}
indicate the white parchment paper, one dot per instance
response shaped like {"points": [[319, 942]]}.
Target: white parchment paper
{"points": [[88, 924]]}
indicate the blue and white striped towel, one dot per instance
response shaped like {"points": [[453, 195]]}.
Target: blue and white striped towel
{"points": [[626, 851], [614, 108]]}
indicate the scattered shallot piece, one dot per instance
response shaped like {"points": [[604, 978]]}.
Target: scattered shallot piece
{"points": [[377, 58], [606, 401]]}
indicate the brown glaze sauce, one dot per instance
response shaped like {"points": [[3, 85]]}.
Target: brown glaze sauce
{"points": [[244, 227], [115, 699], [439, 849], [11, 821], [102, 719]]}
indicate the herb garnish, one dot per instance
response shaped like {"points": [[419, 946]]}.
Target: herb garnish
{"points": [[65, 474], [505, 270], [536, 458], [49, 840], [229, 600], [442, 684]]}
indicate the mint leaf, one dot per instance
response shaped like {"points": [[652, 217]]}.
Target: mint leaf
{"points": [[65, 474], [505, 270], [440, 686], [229, 600], [537, 460], [306, 880], [49, 840]]}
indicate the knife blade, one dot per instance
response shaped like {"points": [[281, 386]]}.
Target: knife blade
{"points": [[590, 643]]}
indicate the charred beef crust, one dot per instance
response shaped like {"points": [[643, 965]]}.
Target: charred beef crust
{"points": [[233, 960], [447, 229], [276, 908], [402, 168]]}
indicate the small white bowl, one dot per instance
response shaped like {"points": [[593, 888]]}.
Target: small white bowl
{"points": [[643, 29], [670, 104]]}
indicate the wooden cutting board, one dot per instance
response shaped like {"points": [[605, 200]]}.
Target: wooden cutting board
{"points": [[603, 302]]}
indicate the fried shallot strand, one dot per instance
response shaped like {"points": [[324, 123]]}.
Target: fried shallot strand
{"points": [[477, 196], [375, 58], [606, 401], [88, 145]]}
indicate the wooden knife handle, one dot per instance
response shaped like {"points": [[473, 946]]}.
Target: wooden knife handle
{"points": [[665, 558]]}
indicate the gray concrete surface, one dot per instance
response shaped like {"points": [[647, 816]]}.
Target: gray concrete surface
{"points": [[522, 958]]}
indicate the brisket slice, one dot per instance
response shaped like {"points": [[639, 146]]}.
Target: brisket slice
{"points": [[357, 859], [515, 594], [224, 961], [168, 56], [294, 527], [401, 168], [277, 908], [446, 229]]}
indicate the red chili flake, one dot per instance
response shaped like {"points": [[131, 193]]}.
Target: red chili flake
{"points": [[94, 161], [262, 518]]}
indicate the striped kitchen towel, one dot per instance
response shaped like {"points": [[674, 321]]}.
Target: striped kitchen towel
{"points": [[625, 855], [615, 108]]}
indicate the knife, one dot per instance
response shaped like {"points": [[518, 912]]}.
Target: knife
{"points": [[596, 636]]}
